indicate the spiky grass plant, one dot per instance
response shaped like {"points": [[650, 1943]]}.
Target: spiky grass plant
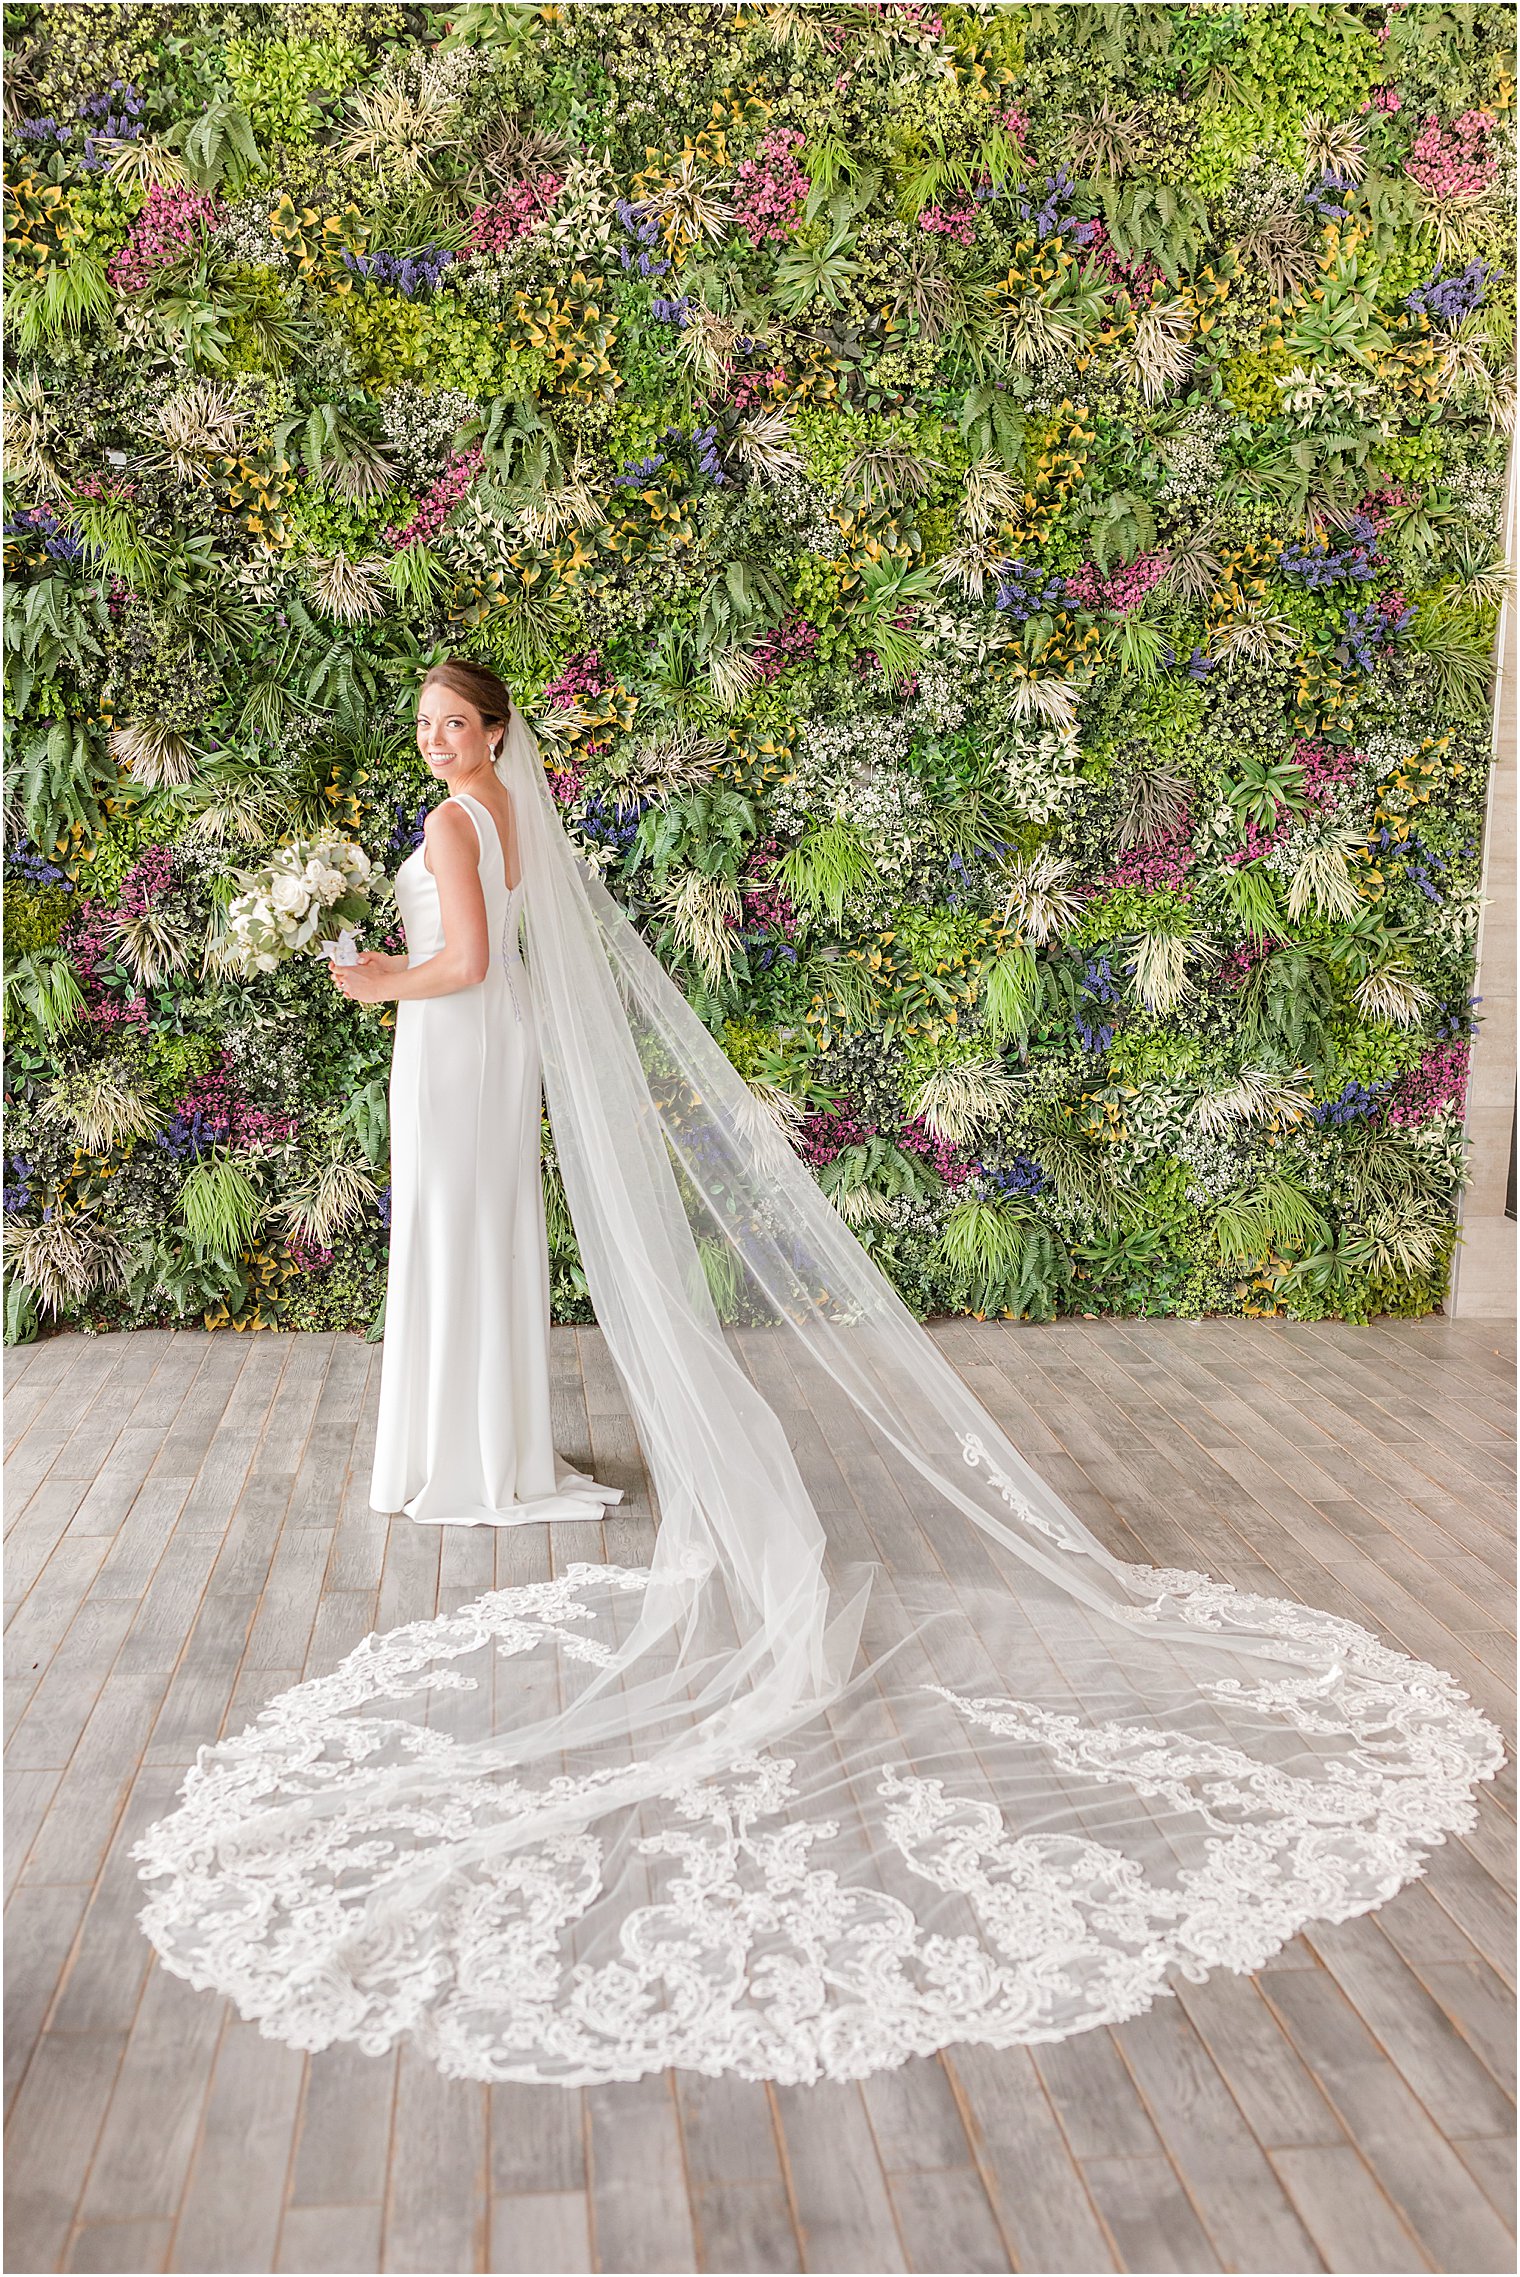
{"points": [[764, 446], [846, 998], [42, 995], [775, 1120], [204, 421], [1456, 646], [1260, 1098], [548, 512], [690, 202], [733, 673], [970, 565], [1161, 353], [1391, 992], [418, 579], [1082, 1173], [1158, 964], [1463, 368], [702, 912], [398, 131], [1254, 633], [891, 470], [1039, 895], [1410, 1238], [1380, 1170], [31, 427], [159, 757], [331, 1193], [989, 497], [99, 1105], [1335, 146], [960, 1098], [231, 802], [153, 942], [1477, 578], [661, 768], [69, 297], [1194, 570], [1105, 142], [352, 591], [1037, 331], [1280, 243], [1029, 696], [1322, 879], [829, 862], [219, 1206], [1155, 803], [1011, 993], [1277, 1213], [997, 1249], [64, 1258], [1250, 894]]}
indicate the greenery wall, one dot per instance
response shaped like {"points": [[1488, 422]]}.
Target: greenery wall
{"points": [[992, 510]]}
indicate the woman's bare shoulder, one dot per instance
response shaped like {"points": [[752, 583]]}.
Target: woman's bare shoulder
{"points": [[448, 825]]}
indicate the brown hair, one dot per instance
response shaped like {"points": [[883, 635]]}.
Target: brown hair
{"points": [[491, 697]]}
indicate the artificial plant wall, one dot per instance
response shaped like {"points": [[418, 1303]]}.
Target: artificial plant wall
{"points": [[992, 511]]}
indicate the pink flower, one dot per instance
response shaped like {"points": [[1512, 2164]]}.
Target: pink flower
{"points": [[958, 222], [1243, 959], [1453, 162], [513, 214], [825, 1136], [309, 1257], [916, 1138], [1160, 865], [1438, 1086], [749, 388], [1325, 771], [1257, 843], [1124, 590], [581, 676], [1136, 277], [167, 224], [772, 188], [439, 502], [793, 642]]}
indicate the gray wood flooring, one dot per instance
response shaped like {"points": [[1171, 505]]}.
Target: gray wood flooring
{"points": [[189, 1532]]}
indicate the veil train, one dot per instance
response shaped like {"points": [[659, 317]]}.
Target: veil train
{"points": [[840, 1777]]}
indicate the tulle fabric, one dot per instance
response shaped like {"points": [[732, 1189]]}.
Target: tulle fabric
{"points": [[882, 1751]]}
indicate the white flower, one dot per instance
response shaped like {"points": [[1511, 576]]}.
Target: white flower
{"points": [[265, 961], [327, 884], [288, 896]]}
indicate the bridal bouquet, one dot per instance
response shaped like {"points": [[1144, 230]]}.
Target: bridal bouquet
{"points": [[311, 894]]}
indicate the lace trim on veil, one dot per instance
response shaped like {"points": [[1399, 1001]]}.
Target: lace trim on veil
{"points": [[758, 1958]]}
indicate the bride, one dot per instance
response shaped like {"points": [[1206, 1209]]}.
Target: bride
{"points": [[464, 1434], [883, 1750]]}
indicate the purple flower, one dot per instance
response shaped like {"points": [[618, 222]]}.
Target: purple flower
{"points": [[1446, 300]]}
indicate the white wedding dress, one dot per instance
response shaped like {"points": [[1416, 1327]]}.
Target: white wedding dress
{"points": [[883, 1750], [465, 1432]]}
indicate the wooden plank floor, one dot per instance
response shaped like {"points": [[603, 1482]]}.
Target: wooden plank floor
{"points": [[189, 1532]]}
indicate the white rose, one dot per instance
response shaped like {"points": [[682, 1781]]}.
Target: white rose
{"points": [[265, 961], [288, 896]]}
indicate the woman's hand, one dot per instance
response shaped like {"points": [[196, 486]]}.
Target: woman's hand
{"points": [[369, 980]]}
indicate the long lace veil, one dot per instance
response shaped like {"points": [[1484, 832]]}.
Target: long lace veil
{"points": [[881, 1750]]}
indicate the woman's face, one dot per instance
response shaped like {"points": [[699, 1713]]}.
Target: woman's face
{"points": [[451, 734]]}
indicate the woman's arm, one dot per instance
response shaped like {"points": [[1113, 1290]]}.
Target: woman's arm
{"points": [[453, 855]]}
